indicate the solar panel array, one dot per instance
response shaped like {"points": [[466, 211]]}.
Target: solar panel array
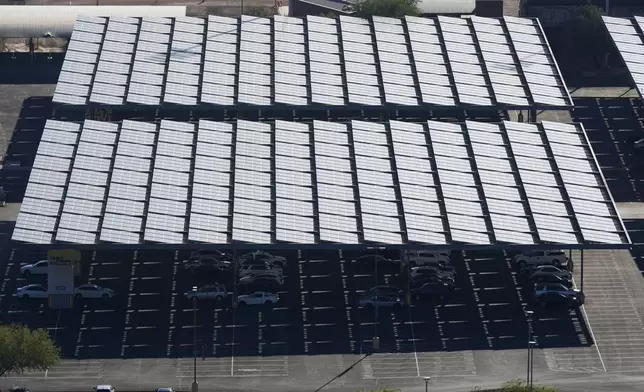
{"points": [[294, 198], [211, 183], [221, 62], [78, 70], [150, 62], [184, 67], [344, 183], [628, 36], [115, 62], [325, 63]]}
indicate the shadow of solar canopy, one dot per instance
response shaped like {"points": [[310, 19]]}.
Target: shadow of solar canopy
{"points": [[318, 185], [312, 62], [628, 36]]}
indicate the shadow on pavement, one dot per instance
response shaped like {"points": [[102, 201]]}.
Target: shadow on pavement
{"points": [[22, 148], [18, 68], [317, 312], [612, 126]]}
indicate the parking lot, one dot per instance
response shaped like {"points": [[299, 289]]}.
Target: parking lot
{"points": [[613, 125], [317, 312]]}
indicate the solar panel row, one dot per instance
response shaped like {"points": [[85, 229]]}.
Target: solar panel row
{"points": [[357, 182], [262, 62], [628, 36]]}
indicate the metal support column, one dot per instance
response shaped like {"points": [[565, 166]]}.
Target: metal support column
{"points": [[533, 116], [582, 271]]}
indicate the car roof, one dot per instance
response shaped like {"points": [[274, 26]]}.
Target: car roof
{"points": [[104, 386], [34, 285]]}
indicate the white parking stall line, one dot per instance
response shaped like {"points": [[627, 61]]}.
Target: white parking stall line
{"points": [[413, 339], [590, 330], [130, 294], [55, 333]]}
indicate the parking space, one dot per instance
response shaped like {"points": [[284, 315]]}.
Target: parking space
{"points": [[612, 126], [318, 313]]}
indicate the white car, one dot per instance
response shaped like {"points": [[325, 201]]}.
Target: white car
{"points": [[215, 292], [254, 269], [381, 301], [93, 291], [104, 388], [32, 291], [540, 257], [257, 298], [423, 257], [39, 268]]}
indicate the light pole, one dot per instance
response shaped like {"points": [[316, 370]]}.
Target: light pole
{"points": [[426, 382], [376, 340], [195, 384], [531, 344], [529, 313]]}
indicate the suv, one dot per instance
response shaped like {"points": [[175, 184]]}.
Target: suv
{"points": [[553, 298], [546, 288], [540, 257], [254, 269], [215, 291]]}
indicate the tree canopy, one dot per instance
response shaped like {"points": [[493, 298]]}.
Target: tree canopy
{"points": [[23, 349], [587, 35], [391, 8]]}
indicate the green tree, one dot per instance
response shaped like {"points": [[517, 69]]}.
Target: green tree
{"points": [[392, 8], [264, 12], [588, 39], [23, 349]]}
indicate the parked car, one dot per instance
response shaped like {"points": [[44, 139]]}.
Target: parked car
{"points": [[261, 256], [381, 301], [542, 257], [258, 278], [93, 291], [542, 279], [216, 254], [371, 258], [257, 298], [435, 278], [38, 268], [423, 257], [104, 388], [165, 389], [545, 288], [432, 289], [546, 270], [417, 271], [391, 291], [19, 389], [554, 299], [254, 269], [32, 291], [215, 292], [207, 263], [431, 276]]}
